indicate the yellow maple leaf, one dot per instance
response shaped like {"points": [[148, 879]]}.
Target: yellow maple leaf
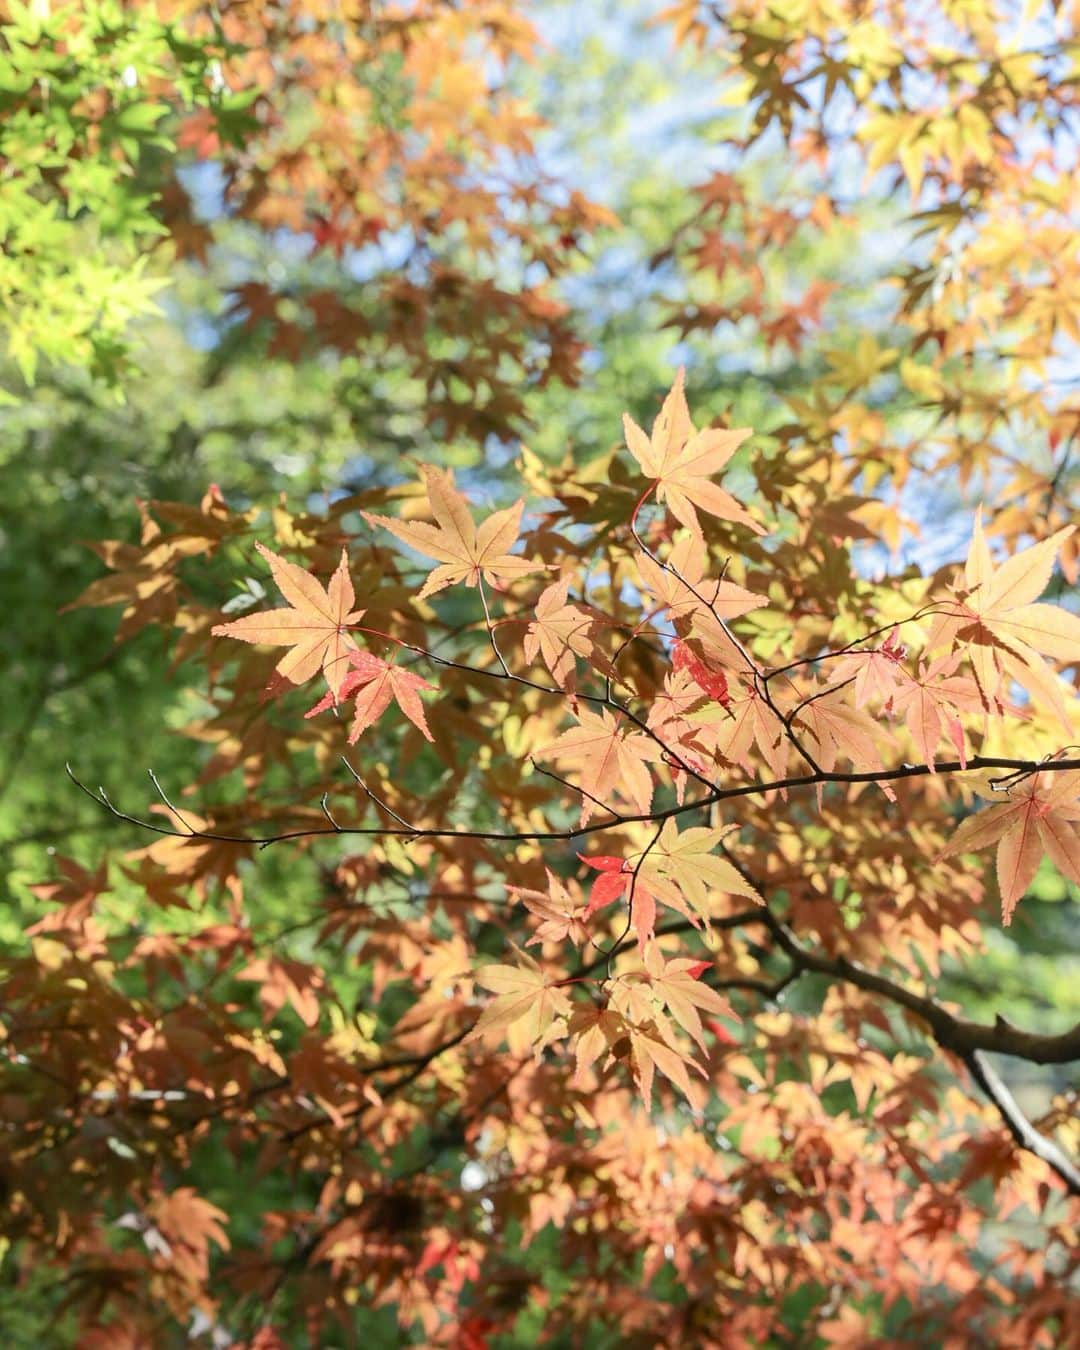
{"points": [[314, 625], [525, 994], [463, 552], [993, 615], [686, 861], [683, 462]]}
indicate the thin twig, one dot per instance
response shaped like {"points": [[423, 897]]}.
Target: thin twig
{"points": [[411, 829], [973, 764]]}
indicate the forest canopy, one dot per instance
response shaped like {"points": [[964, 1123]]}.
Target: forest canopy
{"points": [[541, 762]]}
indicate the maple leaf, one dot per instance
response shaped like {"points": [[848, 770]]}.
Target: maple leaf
{"points": [[876, 671], [286, 981], [1003, 630], [558, 633], [562, 915], [593, 1031], [836, 728], [143, 577], [674, 985], [609, 762], [376, 684], [930, 702], [188, 1224], [710, 680], [314, 625], [685, 862], [649, 1052], [617, 876], [679, 870], [525, 994], [463, 552], [1039, 817], [608, 866], [674, 703], [746, 720], [684, 591], [76, 891], [683, 461]]}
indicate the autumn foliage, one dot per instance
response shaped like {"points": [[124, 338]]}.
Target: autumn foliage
{"points": [[635, 810], [613, 760]]}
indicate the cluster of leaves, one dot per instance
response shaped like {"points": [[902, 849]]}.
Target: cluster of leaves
{"points": [[389, 140], [86, 93], [606, 987], [383, 142], [701, 776], [950, 131]]}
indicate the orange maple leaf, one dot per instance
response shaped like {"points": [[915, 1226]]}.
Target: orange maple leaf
{"points": [[649, 1052], [595, 1031], [930, 702], [835, 728], [463, 552], [609, 762], [673, 985], [876, 672], [558, 633], [684, 589], [188, 1224], [315, 624], [377, 683], [282, 982], [683, 462], [744, 722], [1039, 817], [561, 914], [1004, 631]]}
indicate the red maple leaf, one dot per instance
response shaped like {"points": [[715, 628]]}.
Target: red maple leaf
{"points": [[376, 684]]}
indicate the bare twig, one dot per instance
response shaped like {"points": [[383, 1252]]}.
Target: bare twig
{"points": [[374, 797], [973, 764]]}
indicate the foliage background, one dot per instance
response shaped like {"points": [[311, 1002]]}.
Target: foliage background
{"points": [[130, 404]]}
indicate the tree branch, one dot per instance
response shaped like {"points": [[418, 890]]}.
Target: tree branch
{"points": [[963, 1038], [952, 1033], [1021, 1129], [950, 766]]}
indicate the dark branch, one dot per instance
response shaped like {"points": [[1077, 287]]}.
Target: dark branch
{"points": [[950, 766], [952, 1033]]}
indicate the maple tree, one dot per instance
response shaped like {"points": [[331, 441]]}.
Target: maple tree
{"points": [[685, 868], [639, 839], [955, 126]]}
